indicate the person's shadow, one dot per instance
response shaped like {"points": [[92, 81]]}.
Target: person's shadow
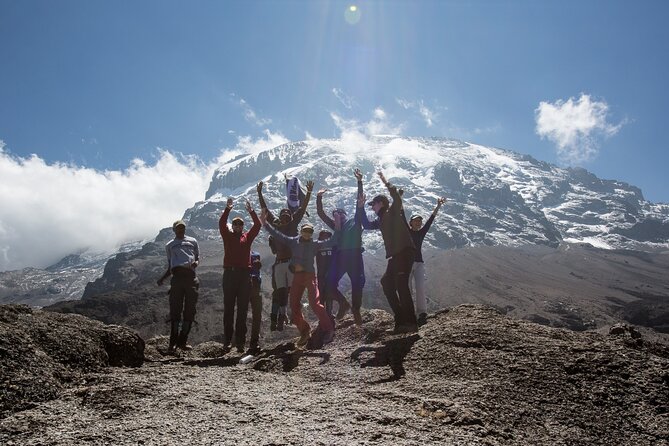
{"points": [[391, 353]]}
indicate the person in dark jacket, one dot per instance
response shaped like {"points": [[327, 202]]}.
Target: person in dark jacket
{"points": [[418, 232], [286, 224], [236, 273], [183, 256], [348, 256], [400, 252]]}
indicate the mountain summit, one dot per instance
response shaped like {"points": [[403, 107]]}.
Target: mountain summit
{"points": [[495, 197]]}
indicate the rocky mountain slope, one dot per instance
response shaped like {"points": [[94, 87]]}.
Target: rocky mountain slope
{"points": [[471, 376]]}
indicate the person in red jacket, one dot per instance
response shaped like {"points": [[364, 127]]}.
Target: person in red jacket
{"points": [[236, 273]]}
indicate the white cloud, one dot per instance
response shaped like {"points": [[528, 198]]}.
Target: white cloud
{"points": [[429, 115], [251, 116], [247, 144], [346, 100], [575, 127], [52, 210], [380, 124]]}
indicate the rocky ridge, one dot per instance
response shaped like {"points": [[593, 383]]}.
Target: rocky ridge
{"points": [[471, 376]]}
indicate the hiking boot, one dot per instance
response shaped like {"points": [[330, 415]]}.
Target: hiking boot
{"points": [[281, 322], [328, 337], [303, 339], [240, 348], [254, 349], [422, 319], [344, 306], [174, 336], [357, 317], [183, 336]]}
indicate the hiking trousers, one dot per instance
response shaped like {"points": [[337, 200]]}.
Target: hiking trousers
{"points": [[417, 279], [301, 281], [395, 284], [256, 310], [348, 261], [236, 289], [183, 294]]}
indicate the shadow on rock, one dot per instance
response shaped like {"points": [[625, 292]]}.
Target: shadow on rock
{"points": [[391, 353]]}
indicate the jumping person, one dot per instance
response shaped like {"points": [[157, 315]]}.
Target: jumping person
{"points": [[302, 265], [348, 255], [400, 252], [183, 256], [236, 273], [282, 277], [418, 232]]}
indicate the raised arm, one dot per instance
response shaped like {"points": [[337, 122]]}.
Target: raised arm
{"points": [[255, 229], [394, 193], [429, 221], [361, 215], [263, 205], [297, 216], [319, 209], [223, 221]]}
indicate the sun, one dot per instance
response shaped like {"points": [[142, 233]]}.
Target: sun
{"points": [[352, 15]]}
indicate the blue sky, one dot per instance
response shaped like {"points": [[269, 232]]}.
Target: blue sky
{"points": [[95, 84]]}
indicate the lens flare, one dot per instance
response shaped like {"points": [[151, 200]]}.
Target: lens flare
{"points": [[352, 15]]}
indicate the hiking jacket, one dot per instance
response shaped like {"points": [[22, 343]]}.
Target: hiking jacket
{"points": [[182, 252], [283, 251], [350, 236], [237, 246], [391, 222], [303, 251], [419, 236]]}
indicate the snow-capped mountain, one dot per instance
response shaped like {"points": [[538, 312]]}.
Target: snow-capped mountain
{"points": [[494, 196]]}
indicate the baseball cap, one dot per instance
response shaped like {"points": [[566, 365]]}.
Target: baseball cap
{"points": [[307, 227], [178, 223], [415, 217]]}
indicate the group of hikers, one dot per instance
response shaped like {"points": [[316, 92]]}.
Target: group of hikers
{"points": [[302, 263]]}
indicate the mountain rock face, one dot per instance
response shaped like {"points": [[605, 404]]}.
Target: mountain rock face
{"points": [[470, 376], [495, 197]]}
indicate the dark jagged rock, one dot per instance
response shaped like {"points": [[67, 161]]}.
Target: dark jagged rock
{"points": [[41, 351]]}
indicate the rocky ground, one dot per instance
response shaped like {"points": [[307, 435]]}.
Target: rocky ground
{"points": [[471, 376]]}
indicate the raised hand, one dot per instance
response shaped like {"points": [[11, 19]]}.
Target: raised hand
{"points": [[383, 177], [229, 203], [321, 192], [440, 201], [259, 187], [310, 186], [358, 174]]}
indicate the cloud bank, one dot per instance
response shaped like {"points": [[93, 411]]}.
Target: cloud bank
{"points": [[52, 210], [575, 126]]}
